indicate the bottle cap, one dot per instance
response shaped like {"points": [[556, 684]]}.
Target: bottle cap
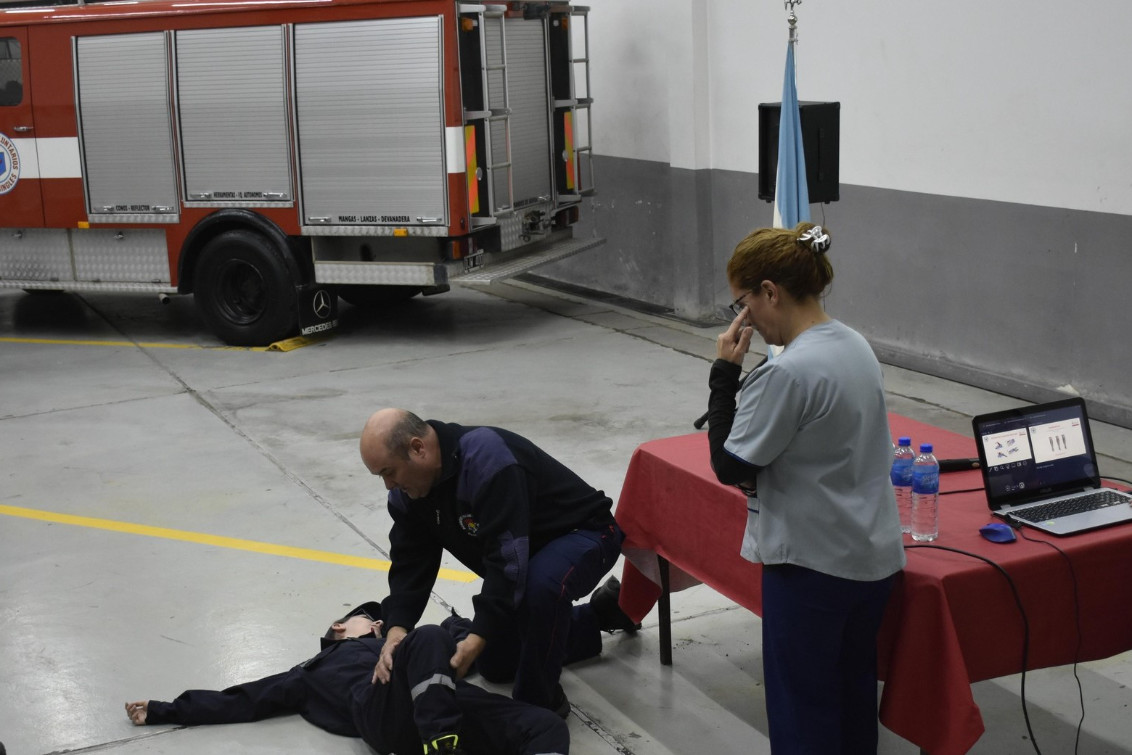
{"points": [[925, 448], [905, 442]]}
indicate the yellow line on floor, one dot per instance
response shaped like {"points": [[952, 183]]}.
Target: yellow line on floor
{"points": [[131, 344], [254, 546]]}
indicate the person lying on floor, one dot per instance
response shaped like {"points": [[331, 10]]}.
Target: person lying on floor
{"points": [[338, 690]]}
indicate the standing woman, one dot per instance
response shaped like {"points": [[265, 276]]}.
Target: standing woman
{"points": [[809, 443]]}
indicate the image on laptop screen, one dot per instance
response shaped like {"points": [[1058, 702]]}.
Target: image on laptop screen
{"points": [[1033, 452]]}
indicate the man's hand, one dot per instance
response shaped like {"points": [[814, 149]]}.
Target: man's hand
{"points": [[733, 343], [467, 650], [383, 672], [137, 711]]}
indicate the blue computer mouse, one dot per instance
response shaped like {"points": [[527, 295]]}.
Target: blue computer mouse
{"points": [[997, 532]]}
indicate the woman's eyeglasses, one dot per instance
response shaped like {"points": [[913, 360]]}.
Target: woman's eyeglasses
{"points": [[736, 306]]}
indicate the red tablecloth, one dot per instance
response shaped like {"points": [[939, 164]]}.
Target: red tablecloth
{"points": [[953, 619]]}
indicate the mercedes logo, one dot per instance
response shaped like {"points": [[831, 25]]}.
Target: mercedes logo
{"points": [[321, 303]]}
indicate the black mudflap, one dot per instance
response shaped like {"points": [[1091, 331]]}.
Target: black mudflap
{"points": [[318, 309]]}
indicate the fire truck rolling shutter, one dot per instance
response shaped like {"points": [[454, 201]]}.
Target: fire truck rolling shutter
{"points": [[371, 129], [231, 96], [123, 96], [530, 136]]}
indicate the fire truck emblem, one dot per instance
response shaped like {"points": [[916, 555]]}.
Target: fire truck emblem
{"points": [[469, 524], [9, 165]]}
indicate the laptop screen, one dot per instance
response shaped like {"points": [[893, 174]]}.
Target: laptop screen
{"points": [[1035, 452]]}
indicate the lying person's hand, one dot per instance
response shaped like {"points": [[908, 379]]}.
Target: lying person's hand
{"points": [[467, 650], [137, 711]]}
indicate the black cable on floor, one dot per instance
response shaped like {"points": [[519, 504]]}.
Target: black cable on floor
{"points": [[1025, 626], [1077, 620]]}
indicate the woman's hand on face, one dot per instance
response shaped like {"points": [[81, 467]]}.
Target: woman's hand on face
{"points": [[733, 343]]}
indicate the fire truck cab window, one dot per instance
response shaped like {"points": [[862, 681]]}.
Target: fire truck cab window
{"points": [[11, 74]]}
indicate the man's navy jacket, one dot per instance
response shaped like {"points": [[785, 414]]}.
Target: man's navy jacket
{"points": [[499, 499]]}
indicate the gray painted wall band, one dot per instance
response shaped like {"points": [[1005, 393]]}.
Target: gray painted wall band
{"points": [[1028, 301]]}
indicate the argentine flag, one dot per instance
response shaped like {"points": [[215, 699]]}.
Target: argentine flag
{"points": [[791, 192]]}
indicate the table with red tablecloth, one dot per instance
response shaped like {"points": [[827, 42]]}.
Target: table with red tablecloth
{"points": [[953, 618]]}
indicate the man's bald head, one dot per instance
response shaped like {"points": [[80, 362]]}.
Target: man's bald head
{"points": [[386, 428], [402, 449]]}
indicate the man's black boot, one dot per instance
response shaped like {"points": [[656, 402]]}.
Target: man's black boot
{"points": [[610, 617]]}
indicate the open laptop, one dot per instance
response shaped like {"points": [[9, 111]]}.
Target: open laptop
{"points": [[1040, 469]]}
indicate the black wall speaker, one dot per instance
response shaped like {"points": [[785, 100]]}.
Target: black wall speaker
{"points": [[821, 131]]}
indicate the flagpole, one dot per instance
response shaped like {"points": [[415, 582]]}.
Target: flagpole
{"points": [[791, 193]]}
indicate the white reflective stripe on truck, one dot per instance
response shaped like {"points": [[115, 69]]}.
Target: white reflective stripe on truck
{"points": [[454, 149], [49, 158]]}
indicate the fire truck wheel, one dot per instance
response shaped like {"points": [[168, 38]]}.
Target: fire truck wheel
{"points": [[373, 297], [244, 290]]}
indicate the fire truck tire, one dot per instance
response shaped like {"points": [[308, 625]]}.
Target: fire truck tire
{"points": [[244, 291], [373, 297]]}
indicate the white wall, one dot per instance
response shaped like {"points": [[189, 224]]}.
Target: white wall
{"points": [[1024, 101]]}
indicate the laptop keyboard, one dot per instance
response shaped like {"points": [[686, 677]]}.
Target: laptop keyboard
{"points": [[1055, 509]]}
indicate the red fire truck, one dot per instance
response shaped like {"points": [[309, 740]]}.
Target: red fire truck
{"points": [[268, 156]]}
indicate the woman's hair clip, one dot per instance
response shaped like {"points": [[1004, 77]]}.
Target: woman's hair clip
{"points": [[817, 239]]}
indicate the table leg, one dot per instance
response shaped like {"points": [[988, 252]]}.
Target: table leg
{"points": [[664, 613]]}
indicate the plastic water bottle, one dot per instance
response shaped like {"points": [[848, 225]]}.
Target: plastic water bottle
{"points": [[902, 460], [925, 495]]}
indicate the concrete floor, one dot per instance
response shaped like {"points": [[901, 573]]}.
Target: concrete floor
{"points": [[149, 476]]}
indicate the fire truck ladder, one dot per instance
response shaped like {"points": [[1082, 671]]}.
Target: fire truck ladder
{"points": [[498, 104], [583, 151]]}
